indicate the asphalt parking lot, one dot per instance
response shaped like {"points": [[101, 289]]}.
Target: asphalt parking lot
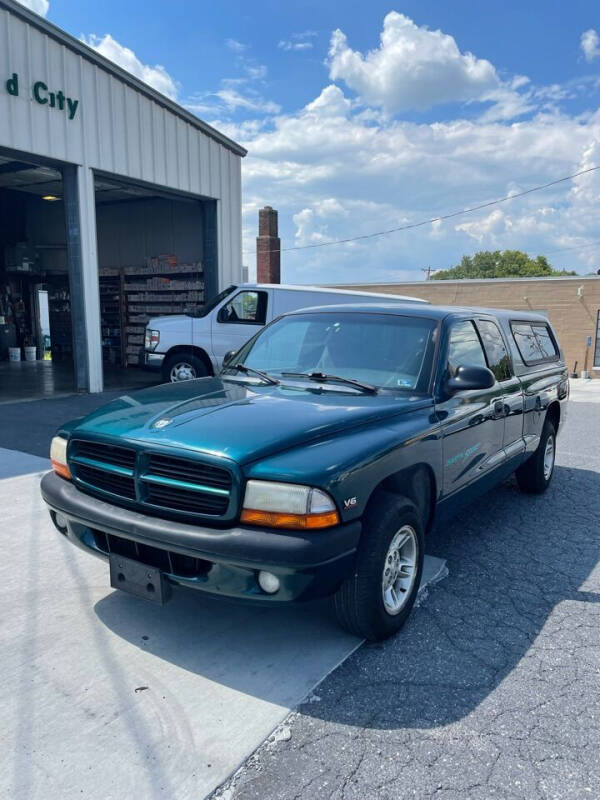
{"points": [[490, 691], [492, 688]]}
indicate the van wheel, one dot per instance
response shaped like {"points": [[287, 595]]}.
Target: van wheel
{"points": [[375, 602], [183, 367], [535, 474]]}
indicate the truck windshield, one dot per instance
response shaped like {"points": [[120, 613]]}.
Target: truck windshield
{"points": [[387, 351], [202, 311]]}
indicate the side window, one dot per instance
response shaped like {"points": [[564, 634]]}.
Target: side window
{"points": [[464, 347], [534, 341], [496, 352], [248, 308], [545, 341], [526, 342]]}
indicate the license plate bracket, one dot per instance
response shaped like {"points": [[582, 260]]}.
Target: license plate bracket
{"points": [[138, 579]]}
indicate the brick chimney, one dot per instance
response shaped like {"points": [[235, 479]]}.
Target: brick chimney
{"points": [[268, 247]]}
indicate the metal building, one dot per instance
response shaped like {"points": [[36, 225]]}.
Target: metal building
{"points": [[106, 168]]}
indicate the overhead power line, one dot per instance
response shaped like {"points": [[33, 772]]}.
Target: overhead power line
{"points": [[431, 220]]}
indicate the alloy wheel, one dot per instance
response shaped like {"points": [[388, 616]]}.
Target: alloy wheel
{"points": [[399, 570], [182, 371]]}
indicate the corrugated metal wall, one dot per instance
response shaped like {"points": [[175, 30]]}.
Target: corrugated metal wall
{"points": [[115, 129], [128, 233]]}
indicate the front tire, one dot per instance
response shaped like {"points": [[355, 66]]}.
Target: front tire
{"points": [[183, 367], [375, 602], [535, 474]]}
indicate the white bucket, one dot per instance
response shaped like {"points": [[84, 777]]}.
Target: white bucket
{"points": [[30, 353], [14, 353]]}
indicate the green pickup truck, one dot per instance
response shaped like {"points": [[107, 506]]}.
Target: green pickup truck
{"points": [[318, 460]]}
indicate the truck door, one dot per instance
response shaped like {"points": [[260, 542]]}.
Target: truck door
{"points": [[472, 421], [500, 363], [238, 320]]}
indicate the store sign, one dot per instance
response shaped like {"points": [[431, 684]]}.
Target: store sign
{"points": [[42, 95]]}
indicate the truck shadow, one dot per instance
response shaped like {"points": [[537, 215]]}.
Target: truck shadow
{"points": [[512, 560]]}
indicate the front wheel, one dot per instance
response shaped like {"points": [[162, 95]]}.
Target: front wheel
{"points": [[183, 367], [377, 599], [535, 474]]}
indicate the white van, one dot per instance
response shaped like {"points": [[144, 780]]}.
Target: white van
{"points": [[192, 346]]}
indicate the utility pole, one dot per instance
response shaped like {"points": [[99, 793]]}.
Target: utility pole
{"points": [[428, 271]]}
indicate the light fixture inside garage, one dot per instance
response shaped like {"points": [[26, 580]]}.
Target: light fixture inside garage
{"points": [[51, 198]]}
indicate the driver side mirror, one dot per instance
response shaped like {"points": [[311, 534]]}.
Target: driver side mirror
{"points": [[470, 377], [228, 357]]}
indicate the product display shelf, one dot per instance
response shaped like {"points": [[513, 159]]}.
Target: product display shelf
{"points": [[155, 289]]}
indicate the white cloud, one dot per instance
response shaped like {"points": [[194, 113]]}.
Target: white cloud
{"points": [[255, 72], [237, 47], [413, 68], [155, 76], [38, 6], [233, 100], [235, 94], [485, 227], [330, 103], [590, 44], [286, 44], [333, 172], [507, 104], [298, 41]]}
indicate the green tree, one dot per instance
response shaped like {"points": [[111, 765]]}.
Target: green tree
{"points": [[500, 264]]}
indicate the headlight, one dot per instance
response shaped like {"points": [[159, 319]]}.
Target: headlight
{"points": [[151, 339], [288, 505], [58, 457]]}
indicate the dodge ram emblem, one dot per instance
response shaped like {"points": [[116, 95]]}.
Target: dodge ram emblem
{"points": [[161, 423]]}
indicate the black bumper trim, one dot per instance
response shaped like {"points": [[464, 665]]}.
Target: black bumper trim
{"points": [[252, 547]]}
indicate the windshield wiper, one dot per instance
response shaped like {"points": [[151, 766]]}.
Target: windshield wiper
{"points": [[250, 370], [321, 377]]}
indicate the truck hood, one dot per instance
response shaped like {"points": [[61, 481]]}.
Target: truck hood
{"points": [[175, 323], [238, 420]]}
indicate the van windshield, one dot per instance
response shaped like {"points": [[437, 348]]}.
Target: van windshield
{"points": [[202, 311], [387, 351]]}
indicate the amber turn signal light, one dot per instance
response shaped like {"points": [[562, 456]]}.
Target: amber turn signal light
{"points": [[61, 469], [297, 522]]}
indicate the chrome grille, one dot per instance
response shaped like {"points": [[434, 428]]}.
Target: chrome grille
{"points": [[186, 500], [106, 481], [183, 469], [163, 484], [107, 453]]}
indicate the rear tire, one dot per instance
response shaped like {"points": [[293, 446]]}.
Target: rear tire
{"points": [[183, 366], [535, 474], [375, 602]]}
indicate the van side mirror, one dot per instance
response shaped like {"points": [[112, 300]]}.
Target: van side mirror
{"points": [[228, 357], [470, 377]]}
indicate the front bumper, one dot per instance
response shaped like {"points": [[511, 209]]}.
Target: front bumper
{"points": [[152, 360], [308, 565]]}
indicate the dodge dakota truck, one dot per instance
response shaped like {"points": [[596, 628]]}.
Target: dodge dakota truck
{"points": [[318, 460]]}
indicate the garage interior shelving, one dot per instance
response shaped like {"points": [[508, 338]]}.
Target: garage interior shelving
{"points": [[130, 296], [37, 305]]}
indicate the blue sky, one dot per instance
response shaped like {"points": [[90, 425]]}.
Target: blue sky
{"points": [[365, 116]]}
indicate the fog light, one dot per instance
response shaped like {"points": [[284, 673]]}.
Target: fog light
{"points": [[268, 582], [60, 522]]}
